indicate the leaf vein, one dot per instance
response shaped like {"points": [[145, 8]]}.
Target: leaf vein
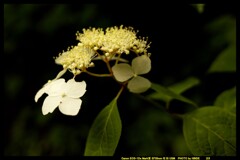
{"points": [[219, 136]]}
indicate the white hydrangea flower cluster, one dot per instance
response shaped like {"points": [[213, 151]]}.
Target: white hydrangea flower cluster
{"points": [[77, 58], [111, 43], [92, 37], [114, 40]]}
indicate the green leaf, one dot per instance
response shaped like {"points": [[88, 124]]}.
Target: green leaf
{"points": [[138, 84], [223, 33], [225, 61], [227, 100], [222, 30], [210, 131], [184, 85], [174, 91], [105, 132], [122, 72], [199, 7]]}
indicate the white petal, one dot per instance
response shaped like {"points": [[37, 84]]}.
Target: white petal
{"points": [[75, 89], [43, 90], [56, 87], [39, 94], [122, 72], [70, 106], [138, 84], [50, 103], [141, 64]]}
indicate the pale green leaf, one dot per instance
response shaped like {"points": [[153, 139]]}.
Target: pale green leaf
{"points": [[210, 131], [166, 94], [122, 72], [141, 65], [138, 84], [105, 132]]}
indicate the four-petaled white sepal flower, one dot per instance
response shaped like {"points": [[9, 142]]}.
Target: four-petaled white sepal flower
{"points": [[65, 95], [140, 65]]}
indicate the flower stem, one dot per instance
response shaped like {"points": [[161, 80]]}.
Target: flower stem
{"points": [[116, 62], [108, 66], [98, 75], [106, 60], [120, 91]]}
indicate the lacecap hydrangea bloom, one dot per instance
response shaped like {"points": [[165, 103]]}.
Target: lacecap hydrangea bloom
{"points": [[97, 44]]}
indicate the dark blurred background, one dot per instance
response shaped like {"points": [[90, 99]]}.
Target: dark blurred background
{"points": [[34, 34]]}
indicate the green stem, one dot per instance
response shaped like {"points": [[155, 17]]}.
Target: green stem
{"points": [[119, 92], [98, 75], [116, 62], [108, 66], [99, 55], [104, 58]]}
